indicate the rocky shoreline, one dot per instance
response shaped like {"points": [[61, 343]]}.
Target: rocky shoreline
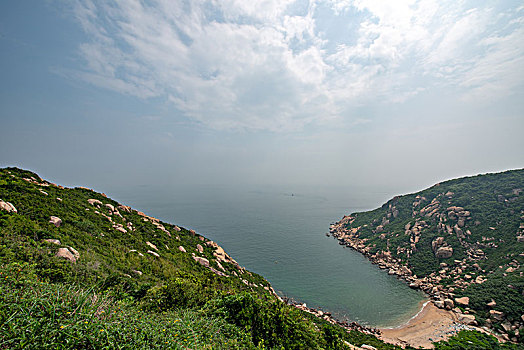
{"points": [[441, 296], [327, 316]]}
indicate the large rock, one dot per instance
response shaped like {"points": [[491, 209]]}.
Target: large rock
{"points": [[152, 245], [220, 266], [201, 261], [120, 228], [125, 208], [466, 319], [462, 301], [110, 207], [215, 271], [444, 252], [55, 220], [7, 207], [200, 248], [437, 242], [219, 253], [94, 201], [66, 254], [182, 249], [367, 347], [153, 253], [507, 326]]}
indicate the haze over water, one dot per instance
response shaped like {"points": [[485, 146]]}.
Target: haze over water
{"points": [[280, 234]]}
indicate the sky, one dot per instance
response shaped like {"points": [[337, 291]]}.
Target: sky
{"points": [[400, 94]]}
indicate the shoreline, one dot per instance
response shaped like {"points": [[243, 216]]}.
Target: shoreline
{"points": [[329, 318], [438, 319], [431, 324], [424, 304]]}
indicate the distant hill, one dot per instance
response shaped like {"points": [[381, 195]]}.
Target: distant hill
{"points": [[461, 241]]}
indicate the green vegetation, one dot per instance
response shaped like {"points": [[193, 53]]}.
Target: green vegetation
{"points": [[480, 252], [38, 315], [469, 340], [130, 286]]}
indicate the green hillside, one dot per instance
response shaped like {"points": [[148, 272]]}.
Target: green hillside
{"points": [[80, 271], [461, 241]]}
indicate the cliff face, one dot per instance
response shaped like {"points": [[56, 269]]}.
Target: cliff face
{"points": [[461, 241]]}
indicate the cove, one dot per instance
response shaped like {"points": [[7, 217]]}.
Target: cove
{"points": [[279, 232]]}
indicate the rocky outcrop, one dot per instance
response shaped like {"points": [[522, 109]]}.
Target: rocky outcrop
{"points": [[199, 248], [439, 241], [201, 261], [124, 208], [55, 220], [216, 272], [466, 319], [462, 301], [94, 202], [153, 253], [444, 252], [120, 228], [68, 254], [152, 245], [7, 207]]}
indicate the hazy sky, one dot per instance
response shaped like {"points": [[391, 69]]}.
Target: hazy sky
{"points": [[322, 92]]}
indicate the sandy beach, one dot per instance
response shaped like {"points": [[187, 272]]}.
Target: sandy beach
{"points": [[430, 325]]}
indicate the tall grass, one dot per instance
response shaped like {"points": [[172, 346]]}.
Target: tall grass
{"points": [[39, 315]]}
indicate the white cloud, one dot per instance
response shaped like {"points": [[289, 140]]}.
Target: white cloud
{"points": [[269, 65]]}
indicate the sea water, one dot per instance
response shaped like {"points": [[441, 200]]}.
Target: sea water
{"points": [[279, 232]]}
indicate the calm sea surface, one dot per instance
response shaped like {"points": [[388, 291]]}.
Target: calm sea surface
{"points": [[280, 234]]}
